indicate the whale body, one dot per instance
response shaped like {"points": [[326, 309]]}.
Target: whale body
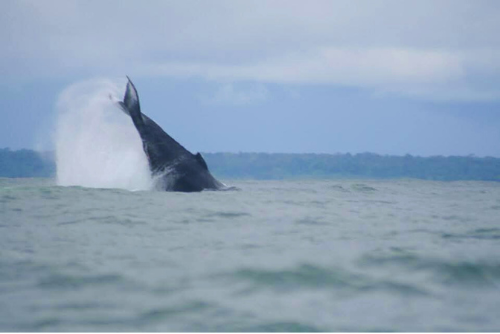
{"points": [[173, 168]]}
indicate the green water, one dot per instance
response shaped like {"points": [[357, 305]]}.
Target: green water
{"points": [[274, 256]]}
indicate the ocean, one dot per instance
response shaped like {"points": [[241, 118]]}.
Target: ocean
{"points": [[311, 255]]}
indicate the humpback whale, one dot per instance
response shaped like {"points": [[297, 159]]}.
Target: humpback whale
{"points": [[172, 167]]}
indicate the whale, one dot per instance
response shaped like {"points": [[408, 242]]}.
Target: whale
{"points": [[173, 168]]}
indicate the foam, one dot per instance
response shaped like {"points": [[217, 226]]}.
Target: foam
{"points": [[96, 143]]}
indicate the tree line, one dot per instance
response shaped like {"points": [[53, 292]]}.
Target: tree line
{"points": [[362, 165], [26, 163], [276, 166]]}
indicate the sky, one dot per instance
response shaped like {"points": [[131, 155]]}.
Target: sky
{"points": [[388, 77]]}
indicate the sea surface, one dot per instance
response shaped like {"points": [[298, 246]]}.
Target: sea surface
{"points": [[321, 255]]}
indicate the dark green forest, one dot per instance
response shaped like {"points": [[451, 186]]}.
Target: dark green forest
{"points": [[277, 166], [26, 163], [363, 165]]}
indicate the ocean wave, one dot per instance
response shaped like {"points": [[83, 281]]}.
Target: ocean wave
{"points": [[446, 272], [480, 233], [309, 276], [72, 281], [281, 326], [360, 187]]}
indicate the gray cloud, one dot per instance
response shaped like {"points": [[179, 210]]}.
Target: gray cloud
{"points": [[440, 50], [229, 94]]}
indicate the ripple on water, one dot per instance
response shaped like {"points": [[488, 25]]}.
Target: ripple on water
{"points": [[6, 198], [50, 192], [468, 274], [307, 276], [229, 214], [445, 272], [69, 282], [362, 188], [109, 219], [480, 233], [216, 216], [165, 312], [339, 188], [284, 326], [310, 221]]}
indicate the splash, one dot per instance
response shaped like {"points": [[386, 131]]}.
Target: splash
{"points": [[96, 143]]}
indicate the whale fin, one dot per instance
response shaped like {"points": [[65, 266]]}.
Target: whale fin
{"points": [[131, 106], [201, 161]]}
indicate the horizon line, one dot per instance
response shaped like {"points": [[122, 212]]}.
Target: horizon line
{"points": [[470, 155]]}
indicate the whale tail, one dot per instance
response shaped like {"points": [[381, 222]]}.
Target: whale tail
{"points": [[131, 106], [175, 168]]}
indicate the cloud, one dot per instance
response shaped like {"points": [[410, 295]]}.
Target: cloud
{"points": [[423, 74], [230, 94], [331, 65], [439, 50]]}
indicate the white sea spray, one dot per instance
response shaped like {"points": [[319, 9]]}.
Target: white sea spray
{"points": [[96, 143]]}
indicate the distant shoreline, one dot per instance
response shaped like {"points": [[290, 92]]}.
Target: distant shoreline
{"points": [[280, 166]]}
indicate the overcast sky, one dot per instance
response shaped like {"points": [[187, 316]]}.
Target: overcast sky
{"points": [[389, 77]]}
